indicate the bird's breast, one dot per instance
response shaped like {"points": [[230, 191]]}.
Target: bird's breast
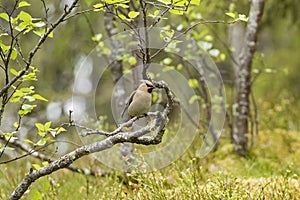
{"points": [[140, 104]]}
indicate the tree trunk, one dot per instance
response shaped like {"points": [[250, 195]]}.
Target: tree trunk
{"points": [[241, 128], [236, 34]]}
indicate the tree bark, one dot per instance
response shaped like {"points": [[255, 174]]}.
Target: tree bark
{"points": [[115, 138], [236, 34], [241, 128]]}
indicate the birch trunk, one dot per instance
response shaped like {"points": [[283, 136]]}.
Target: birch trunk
{"points": [[241, 128]]}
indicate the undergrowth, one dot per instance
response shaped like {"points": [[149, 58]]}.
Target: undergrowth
{"points": [[271, 171]]}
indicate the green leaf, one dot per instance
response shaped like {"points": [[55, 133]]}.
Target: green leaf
{"points": [[195, 2], [222, 56], [13, 54], [13, 71], [47, 126], [181, 3], [24, 16], [28, 90], [28, 141], [155, 14], [23, 4], [30, 77], [167, 61], [176, 11], [53, 132], [133, 14], [45, 163], [97, 37], [41, 142], [36, 166], [123, 17], [4, 47], [50, 35], [193, 83], [39, 24], [42, 133], [39, 33], [166, 35], [29, 98], [4, 16], [7, 134], [230, 14], [113, 1], [16, 96], [60, 129], [170, 33], [122, 5], [127, 71], [16, 124], [98, 5], [132, 60], [27, 107], [179, 66], [40, 126], [39, 97]]}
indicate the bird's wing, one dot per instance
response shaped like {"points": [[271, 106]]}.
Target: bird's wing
{"points": [[128, 102]]}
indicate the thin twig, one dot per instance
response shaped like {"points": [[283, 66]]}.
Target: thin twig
{"points": [[37, 47], [158, 18]]}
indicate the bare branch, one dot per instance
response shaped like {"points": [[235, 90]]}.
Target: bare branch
{"points": [[129, 123], [35, 153], [157, 126], [80, 13]]}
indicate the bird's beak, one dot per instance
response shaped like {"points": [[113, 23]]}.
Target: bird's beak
{"points": [[151, 88]]}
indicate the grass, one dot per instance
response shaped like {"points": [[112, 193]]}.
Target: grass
{"points": [[271, 171]]}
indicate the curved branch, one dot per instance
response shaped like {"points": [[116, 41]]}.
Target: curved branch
{"points": [[157, 126], [35, 153]]}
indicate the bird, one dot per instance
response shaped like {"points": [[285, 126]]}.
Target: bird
{"points": [[140, 100]]}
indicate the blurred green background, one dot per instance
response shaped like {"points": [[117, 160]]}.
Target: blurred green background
{"points": [[276, 90]]}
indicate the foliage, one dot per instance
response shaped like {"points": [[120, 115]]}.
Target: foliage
{"points": [[271, 172]]}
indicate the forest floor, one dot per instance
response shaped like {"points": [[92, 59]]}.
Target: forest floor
{"points": [[271, 171]]}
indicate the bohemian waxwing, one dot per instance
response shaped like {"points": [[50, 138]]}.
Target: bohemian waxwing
{"points": [[140, 100]]}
